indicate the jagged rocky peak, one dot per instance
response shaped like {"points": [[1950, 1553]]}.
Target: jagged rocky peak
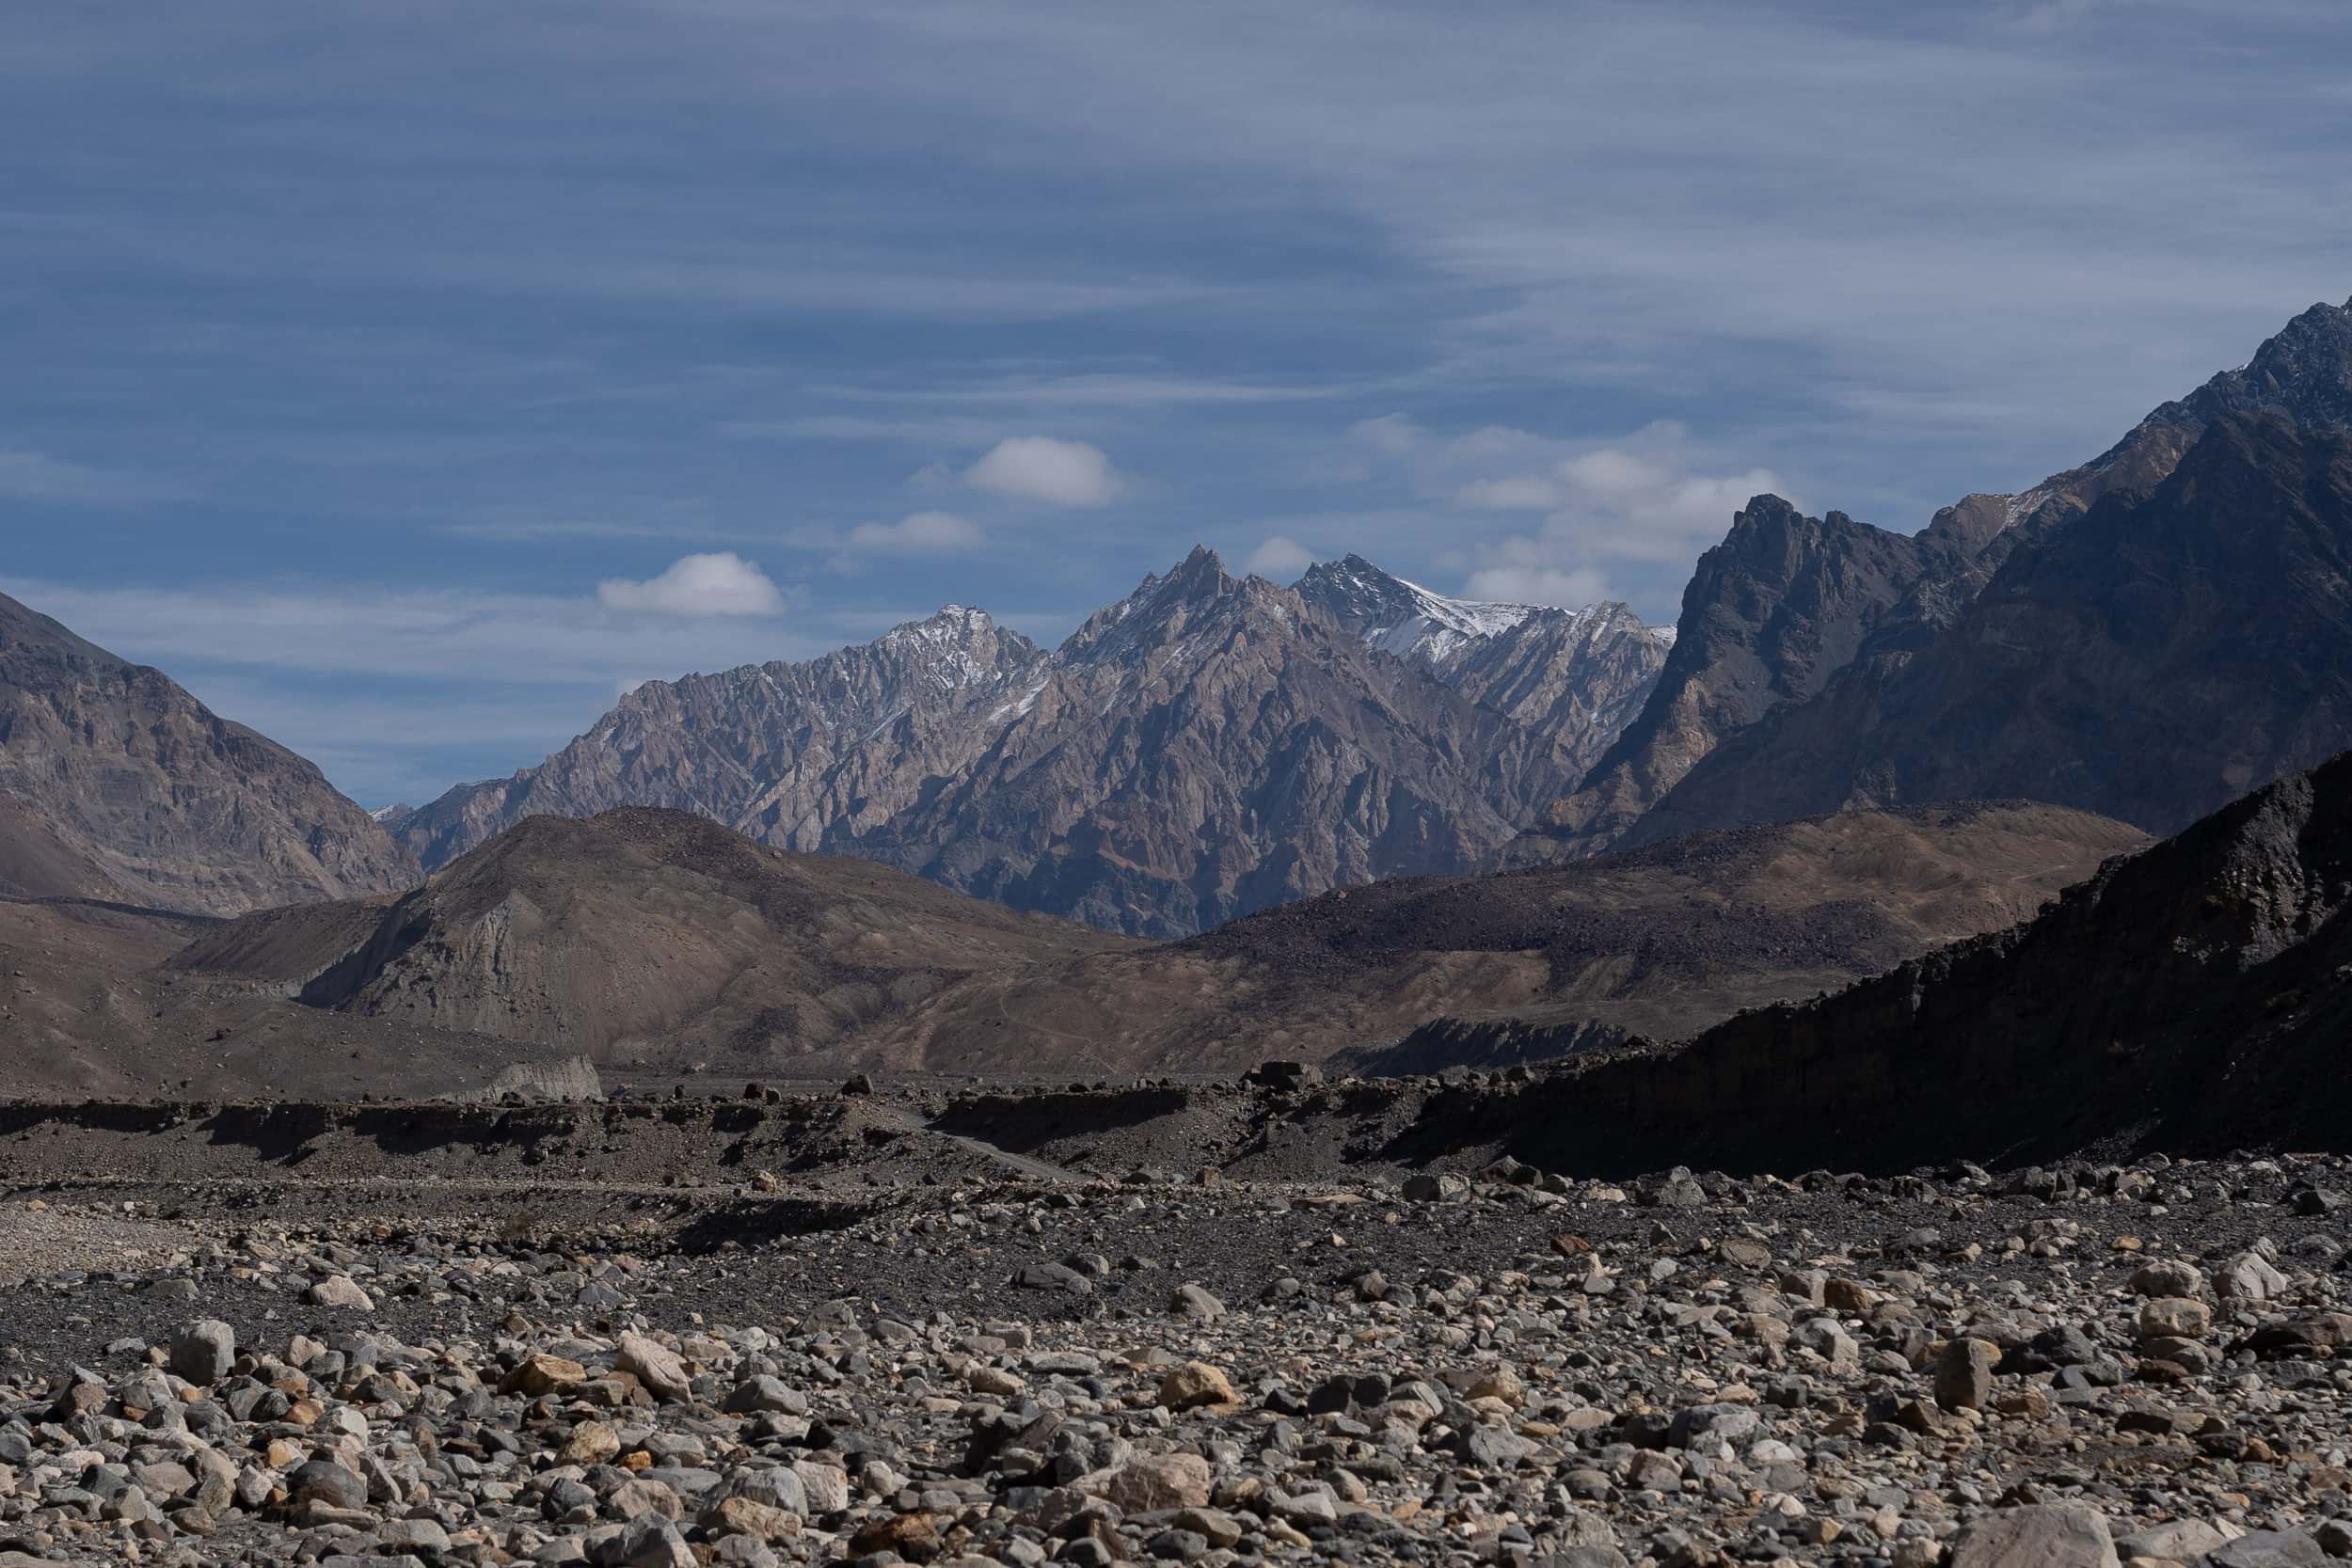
{"points": [[2304, 373], [1162, 606], [1403, 617], [961, 647]]}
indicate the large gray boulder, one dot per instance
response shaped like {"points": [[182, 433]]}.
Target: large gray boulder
{"points": [[2045, 1535]]}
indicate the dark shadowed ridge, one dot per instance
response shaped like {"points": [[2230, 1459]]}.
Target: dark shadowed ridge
{"points": [[1735, 666], [2156, 658], [2194, 997]]}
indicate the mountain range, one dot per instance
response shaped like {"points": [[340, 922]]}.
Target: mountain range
{"points": [[1208, 746]]}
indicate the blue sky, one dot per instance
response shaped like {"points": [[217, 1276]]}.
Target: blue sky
{"points": [[375, 368]]}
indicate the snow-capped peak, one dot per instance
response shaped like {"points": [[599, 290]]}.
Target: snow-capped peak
{"points": [[1401, 616]]}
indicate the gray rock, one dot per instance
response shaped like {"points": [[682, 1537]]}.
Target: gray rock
{"points": [[1051, 1277], [1963, 1373], [1192, 1301], [204, 1351], [1435, 1187], [764, 1393], [323, 1480], [650, 1542], [2176, 1541], [2270, 1549], [2045, 1535]]}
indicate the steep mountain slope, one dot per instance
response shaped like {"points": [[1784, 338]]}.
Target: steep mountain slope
{"points": [[125, 786], [641, 933], [2193, 997], [805, 756], [2151, 659], [1573, 678], [1771, 613], [35, 862], [2304, 373], [1207, 747]]}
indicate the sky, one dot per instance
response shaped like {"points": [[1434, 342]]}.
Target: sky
{"points": [[409, 380]]}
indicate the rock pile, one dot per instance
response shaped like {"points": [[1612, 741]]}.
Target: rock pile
{"points": [[2150, 1366]]}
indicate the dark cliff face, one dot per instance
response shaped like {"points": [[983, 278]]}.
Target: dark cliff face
{"points": [[2151, 659], [1771, 613], [121, 785], [2193, 997], [2302, 375]]}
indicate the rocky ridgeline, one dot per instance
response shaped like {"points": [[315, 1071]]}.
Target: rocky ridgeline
{"points": [[2068, 1365]]}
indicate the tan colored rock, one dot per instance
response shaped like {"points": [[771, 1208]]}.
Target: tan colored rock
{"points": [[655, 1365], [994, 1381], [542, 1373], [339, 1290], [743, 1516], [1192, 1384], [590, 1443], [2174, 1317], [1155, 1483]]}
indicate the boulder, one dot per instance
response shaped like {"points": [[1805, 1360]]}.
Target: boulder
{"points": [[2044, 1535]]}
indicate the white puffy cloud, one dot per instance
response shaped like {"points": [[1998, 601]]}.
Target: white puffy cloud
{"points": [[1599, 518], [1644, 505], [1524, 493], [1391, 435], [719, 584], [1532, 582], [1038, 467], [918, 533], [1278, 558]]}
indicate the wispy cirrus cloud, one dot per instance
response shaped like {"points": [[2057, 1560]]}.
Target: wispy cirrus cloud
{"points": [[696, 276], [311, 626], [26, 475]]}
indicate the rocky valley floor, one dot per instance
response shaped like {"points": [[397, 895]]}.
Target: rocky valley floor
{"points": [[875, 1340]]}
